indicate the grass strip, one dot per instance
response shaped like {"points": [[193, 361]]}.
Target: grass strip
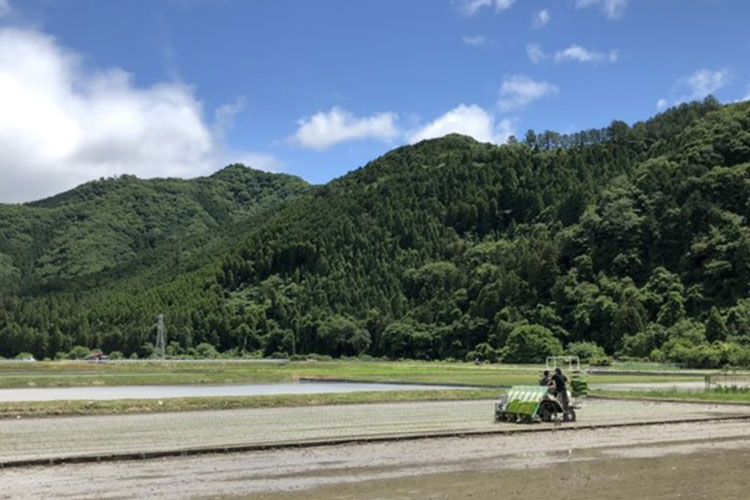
{"points": [[13, 410], [70, 374]]}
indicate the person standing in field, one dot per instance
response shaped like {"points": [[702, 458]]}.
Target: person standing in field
{"points": [[545, 380], [561, 389]]}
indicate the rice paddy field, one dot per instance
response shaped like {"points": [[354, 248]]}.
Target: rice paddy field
{"points": [[68, 374], [47, 438], [460, 453], [395, 444], [486, 379]]}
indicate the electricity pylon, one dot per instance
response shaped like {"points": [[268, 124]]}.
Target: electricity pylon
{"points": [[161, 337]]}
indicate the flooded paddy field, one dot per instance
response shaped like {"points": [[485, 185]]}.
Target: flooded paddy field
{"points": [[102, 393], [674, 451], [652, 386], [15, 375], [55, 437], [700, 460], [674, 472]]}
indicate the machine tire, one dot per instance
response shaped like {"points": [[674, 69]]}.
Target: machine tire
{"points": [[546, 411], [570, 416]]}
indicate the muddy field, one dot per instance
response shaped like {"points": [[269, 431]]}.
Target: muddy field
{"points": [[704, 460], [199, 391], [652, 386], [76, 436]]}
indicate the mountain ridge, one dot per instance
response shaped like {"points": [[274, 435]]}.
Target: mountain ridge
{"points": [[627, 240], [107, 222]]}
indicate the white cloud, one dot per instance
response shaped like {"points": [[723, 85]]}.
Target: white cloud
{"points": [[224, 115], [471, 120], [613, 9], [261, 161], [661, 104], [504, 130], [699, 84], [581, 54], [62, 125], [573, 53], [747, 96], [471, 7], [474, 41], [325, 129], [5, 8], [519, 90], [535, 53], [541, 18]]}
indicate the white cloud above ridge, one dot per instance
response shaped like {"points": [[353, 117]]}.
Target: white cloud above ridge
{"points": [[261, 161], [517, 91], [63, 125], [699, 84], [224, 115], [471, 120], [328, 128], [471, 7], [613, 9], [540, 19]]}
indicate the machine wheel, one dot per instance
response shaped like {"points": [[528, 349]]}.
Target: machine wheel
{"points": [[546, 412], [570, 416]]}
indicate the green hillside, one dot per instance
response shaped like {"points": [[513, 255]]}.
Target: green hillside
{"points": [[634, 238], [110, 222]]}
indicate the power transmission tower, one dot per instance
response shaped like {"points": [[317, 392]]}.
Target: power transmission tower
{"points": [[161, 337]]}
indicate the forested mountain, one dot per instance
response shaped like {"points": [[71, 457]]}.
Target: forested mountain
{"points": [[634, 238], [111, 222]]}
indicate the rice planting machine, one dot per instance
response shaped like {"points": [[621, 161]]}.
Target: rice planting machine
{"points": [[537, 403]]}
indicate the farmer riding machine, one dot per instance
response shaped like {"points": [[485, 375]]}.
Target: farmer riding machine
{"points": [[537, 403]]}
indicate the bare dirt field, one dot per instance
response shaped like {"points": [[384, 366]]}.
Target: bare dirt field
{"points": [[700, 460], [38, 438]]}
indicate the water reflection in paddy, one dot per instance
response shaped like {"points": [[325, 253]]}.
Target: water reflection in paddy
{"points": [[101, 393]]}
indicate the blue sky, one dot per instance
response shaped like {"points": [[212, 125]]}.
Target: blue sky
{"points": [[95, 88]]}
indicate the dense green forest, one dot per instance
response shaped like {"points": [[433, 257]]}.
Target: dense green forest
{"points": [[106, 224], [629, 241]]}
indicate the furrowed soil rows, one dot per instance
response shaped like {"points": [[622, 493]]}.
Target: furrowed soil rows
{"points": [[79, 436], [675, 461]]}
